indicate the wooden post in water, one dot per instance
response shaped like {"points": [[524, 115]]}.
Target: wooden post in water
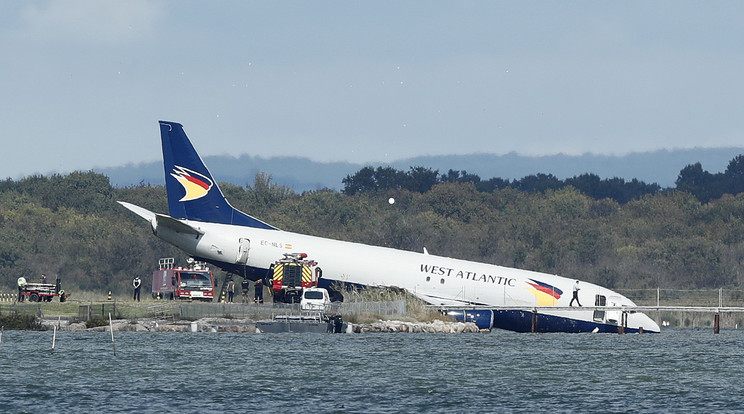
{"points": [[534, 320], [716, 323], [623, 323]]}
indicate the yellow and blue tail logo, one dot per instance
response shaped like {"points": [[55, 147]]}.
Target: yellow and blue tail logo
{"points": [[192, 192], [196, 185], [546, 295]]}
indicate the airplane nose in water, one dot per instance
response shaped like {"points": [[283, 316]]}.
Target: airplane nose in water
{"points": [[644, 321]]}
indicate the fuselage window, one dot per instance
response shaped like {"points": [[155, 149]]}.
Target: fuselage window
{"points": [[599, 300], [599, 315], [441, 281], [428, 278]]}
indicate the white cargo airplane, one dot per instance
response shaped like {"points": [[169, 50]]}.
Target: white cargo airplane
{"points": [[203, 224]]}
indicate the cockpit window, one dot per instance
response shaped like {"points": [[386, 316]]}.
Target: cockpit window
{"points": [[600, 300]]}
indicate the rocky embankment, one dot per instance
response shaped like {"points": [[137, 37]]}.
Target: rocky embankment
{"points": [[249, 326], [415, 327]]}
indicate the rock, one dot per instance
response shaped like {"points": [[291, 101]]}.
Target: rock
{"points": [[249, 326], [436, 326], [76, 327]]}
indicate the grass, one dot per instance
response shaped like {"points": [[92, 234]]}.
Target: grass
{"points": [[416, 309]]}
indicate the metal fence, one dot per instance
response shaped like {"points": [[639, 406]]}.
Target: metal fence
{"points": [[21, 309], [679, 297]]}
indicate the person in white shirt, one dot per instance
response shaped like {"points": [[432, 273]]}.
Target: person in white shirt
{"points": [[575, 294]]}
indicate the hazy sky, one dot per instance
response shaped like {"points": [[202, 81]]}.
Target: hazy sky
{"points": [[83, 83]]}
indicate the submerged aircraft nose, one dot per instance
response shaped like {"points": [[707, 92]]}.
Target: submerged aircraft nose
{"points": [[641, 320]]}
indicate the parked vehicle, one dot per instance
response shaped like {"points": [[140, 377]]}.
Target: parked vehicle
{"points": [[195, 281]]}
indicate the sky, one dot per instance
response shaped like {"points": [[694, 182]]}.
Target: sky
{"points": [[83, 83]]}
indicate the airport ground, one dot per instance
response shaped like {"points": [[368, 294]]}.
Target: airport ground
{"points": [[93, 311]]}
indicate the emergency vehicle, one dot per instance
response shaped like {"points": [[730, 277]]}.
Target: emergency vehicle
{"points": [[294, 279], [195, 281], [290, 275], [44, 292]]}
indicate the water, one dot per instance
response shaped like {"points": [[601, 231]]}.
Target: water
{"points": [[675, 371]]}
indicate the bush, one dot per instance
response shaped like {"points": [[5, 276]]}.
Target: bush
{"points": [[25, 322]]}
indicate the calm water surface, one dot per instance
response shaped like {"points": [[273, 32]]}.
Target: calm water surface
{"points": [[675, 371]]}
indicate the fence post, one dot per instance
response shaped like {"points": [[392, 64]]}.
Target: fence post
{"points": [[657, 297]]}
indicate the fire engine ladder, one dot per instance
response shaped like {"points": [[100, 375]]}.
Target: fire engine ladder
{"points": [[223, 292]]}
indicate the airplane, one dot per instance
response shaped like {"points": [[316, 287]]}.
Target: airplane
{"points": [[202, 223]]}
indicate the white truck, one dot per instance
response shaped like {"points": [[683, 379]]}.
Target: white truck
{"points": [[315, 300]]}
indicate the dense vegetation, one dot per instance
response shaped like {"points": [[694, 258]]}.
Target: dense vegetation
{"points": [[71, 226], [419, 179], [693, 179]]}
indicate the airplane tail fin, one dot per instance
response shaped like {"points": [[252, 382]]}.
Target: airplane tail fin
{"points": [[192, 192]]}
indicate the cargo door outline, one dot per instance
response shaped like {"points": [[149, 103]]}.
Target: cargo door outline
{"points": [[244, 247]]}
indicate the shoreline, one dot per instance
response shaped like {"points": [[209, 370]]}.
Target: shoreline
{"points": [[248, 325]]}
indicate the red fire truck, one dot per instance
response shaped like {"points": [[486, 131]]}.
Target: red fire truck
{"points": [[290, 275], [192, 282]]}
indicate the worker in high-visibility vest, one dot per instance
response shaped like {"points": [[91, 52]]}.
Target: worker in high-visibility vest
{"points": [[136, 284], [21, 285]]}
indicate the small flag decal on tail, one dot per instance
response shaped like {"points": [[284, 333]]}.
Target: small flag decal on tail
{"points": [[196, 185]]}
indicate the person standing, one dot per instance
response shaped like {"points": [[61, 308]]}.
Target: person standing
{"points": [[575, 294], [137, 284], [43, 278], [230, 291], [246, 287], [258, 295], [21, 285]]}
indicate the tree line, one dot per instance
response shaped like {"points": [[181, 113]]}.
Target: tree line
{"points": [[692, 179], [71, 226]]}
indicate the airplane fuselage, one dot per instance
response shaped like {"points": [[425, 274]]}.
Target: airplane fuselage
{"points": [[437, 280]]}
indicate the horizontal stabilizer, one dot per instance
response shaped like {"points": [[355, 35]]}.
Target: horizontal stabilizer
{"points": [[157, 220], [173, 224], [142, 212]]}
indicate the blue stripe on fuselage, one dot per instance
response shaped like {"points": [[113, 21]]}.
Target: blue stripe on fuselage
{"points": [[521, 321]]}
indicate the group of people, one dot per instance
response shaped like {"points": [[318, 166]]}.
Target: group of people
{"points": [[246, 286], [137, 285]]}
